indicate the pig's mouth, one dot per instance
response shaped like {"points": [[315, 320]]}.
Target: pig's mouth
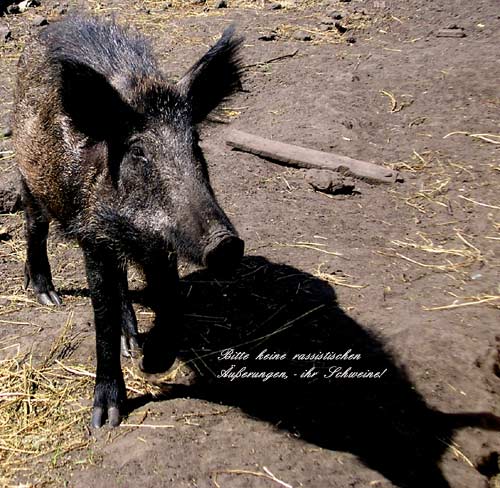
{"points": [[223, 252]]}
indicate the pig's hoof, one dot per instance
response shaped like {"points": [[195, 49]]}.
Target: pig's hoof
{"points": [[109, 396], [50, 298], [130, 347], [98, 417], [42, 287]]}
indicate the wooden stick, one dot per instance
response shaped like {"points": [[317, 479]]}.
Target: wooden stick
{"points": [[301, 157]]}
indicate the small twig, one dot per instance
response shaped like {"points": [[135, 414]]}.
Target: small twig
{"points": [[487, 137], [12, 395], [272, 60], [267, 475], [392, 98], [336, 280], [266, 336], [82, 372], [276, 479], [200, 358], [204, 414], [464, 304], [308, 246], [78, 372], [454, 448], [395, 106], [15, 322], [149, 426], [479, 203], [492, 138]]}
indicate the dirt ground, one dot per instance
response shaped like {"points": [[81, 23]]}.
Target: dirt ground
{"points": [[404, 277]]}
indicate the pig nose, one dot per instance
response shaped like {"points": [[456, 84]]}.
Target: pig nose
{"points": [[223, 252]]}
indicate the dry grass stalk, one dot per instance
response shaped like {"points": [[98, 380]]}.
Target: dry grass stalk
{"points": [[473, 301], [496, 207], [266, 474], [40, 413], [491, 138], [336, 280], [431, 194], [44, 409], [222, 411], [257, 341], [148, 426], [315, 246], [418, 163], [468, 254], [453, 446], [395, 105]]}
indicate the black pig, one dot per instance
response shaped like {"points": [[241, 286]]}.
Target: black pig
{"points": [[109, 149]]}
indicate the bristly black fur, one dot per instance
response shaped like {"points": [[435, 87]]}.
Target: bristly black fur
{"points": [[214, 76], [104, 46], [124, 58]]}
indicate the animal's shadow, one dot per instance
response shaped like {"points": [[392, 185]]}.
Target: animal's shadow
{"points": [[384, 421]]}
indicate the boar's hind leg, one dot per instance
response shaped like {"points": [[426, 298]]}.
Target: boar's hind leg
{"points": [[37, 267], [109, 395], [129, 342], [161, 344]]}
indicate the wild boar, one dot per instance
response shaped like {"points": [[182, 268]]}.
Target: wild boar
{"points": [[108, 148]]}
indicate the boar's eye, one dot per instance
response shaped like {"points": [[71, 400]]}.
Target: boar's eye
{"points": [[137, 153]]}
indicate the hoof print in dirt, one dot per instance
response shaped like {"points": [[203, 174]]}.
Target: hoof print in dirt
{"points": [[221, 4], [330, 182], [274, 6]]}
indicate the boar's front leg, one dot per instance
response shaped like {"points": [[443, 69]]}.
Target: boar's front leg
{"points": [[37, 267], [109, 395], [162, 292]]}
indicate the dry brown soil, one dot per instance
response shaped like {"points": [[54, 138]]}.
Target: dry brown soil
{"points": [[405, 275]]}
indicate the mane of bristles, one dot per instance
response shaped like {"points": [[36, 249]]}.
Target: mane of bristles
{"points": [[120, 54]]}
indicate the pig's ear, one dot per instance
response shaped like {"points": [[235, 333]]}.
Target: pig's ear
{"points": [[215, 76], [94, 106]]}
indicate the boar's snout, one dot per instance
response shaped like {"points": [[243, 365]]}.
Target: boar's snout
{"points": [[223, 251]]}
